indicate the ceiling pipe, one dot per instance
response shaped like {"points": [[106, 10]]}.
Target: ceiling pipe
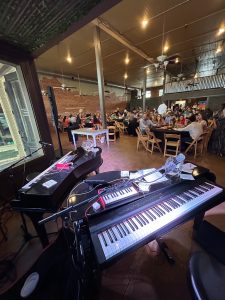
{"points": [[106, 27]]}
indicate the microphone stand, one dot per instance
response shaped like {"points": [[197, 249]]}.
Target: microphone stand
{"points": [[9, 168], [27, 236]]}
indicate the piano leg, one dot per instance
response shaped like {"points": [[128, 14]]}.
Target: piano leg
{"points": [[40, 229], [166, 251], [198, 220]]}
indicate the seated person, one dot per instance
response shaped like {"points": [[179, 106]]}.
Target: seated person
{"points": [[160, 121], [195, 130], [201, 120], [145, 122], [132, 125], [181, 121], [169, 119]]}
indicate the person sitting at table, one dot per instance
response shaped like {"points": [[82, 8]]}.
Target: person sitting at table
{"points": [[195, 130], [145, 122], [160, 121], [181, 121], [201, 120], [169, 118], [132, 125]]}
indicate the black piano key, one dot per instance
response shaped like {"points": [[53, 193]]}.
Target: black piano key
{"points": [[134, 224], [113, 234], [156, 212], [137, 219], [160, 210], [193, 193], [208, 185], [165, 207], [142, 219], [131, 225], [109, 236], [149, 216], [127, 229], [179, 200], [118, 229], [186, 197], [143, 216], [104, 240], [197, 191], [121, 227], [190, 195], [152, 214], [172, 203], [204, 188]]}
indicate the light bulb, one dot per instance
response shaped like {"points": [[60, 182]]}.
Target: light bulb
{"points": [[221, 31], [69, 59], [125, 76], [127, 60], [144, 23]]}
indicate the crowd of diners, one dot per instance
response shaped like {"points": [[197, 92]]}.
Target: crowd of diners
{"points": [[188, 118]]}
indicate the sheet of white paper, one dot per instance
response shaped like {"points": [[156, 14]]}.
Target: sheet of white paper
{"points": [[49, 183], [144, 186], [134, 175], [155, 177], [188, 168], [187, 177], [124, 173]]}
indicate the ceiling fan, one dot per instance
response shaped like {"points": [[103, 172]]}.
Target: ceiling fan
{"points": [[162, 61], [64, 87]]}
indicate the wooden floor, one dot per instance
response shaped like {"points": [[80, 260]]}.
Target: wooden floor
{"points": [[145, 273]]}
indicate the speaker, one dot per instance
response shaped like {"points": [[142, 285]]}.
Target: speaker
{"points": [[134, 94], [51, 97]]}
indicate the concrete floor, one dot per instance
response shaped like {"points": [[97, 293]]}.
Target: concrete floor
{"points": [[145, 273]]}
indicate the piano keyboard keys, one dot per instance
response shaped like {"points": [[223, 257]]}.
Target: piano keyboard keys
{"points": [[134, 229], [119, 195]]}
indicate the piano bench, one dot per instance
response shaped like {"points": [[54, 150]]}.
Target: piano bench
{"points": [[207, 277]]}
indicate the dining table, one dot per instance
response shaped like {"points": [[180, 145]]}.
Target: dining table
{"points": [[161, 131]]}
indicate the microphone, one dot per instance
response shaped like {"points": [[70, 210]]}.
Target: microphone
{"points": [[173, 162], [45, 144]]}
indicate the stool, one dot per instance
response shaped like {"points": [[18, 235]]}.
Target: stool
{"points": [[207, 277]]}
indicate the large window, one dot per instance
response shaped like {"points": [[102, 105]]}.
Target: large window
{"points": [[148, 94], [18, 130]]}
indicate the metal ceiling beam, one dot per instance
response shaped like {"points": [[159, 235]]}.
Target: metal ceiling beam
{"points": [[106, 27]]}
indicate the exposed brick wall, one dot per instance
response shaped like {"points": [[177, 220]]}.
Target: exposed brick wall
{"points": [[70, 101]]}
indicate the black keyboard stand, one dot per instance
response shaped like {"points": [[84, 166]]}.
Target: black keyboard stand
{"points": [[165, 250], [26, 235]]}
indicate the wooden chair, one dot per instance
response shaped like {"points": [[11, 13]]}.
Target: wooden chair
{"points": [[121, 127], [206, 139], [211, 123], [173, 141], [112, 133], [153, 141], [197, 143], [143, 139]]}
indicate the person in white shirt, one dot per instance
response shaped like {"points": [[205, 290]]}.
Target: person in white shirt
{"points": [[145, 122], [195, 129]]}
